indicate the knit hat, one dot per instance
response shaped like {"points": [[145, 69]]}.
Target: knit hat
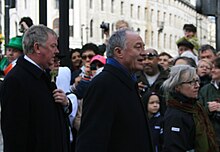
{"points": [[15, 43]]}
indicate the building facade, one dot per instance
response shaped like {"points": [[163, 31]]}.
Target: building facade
{"points": [[166, 18], [159, 22]]}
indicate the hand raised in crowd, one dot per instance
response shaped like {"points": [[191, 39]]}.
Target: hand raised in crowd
{"points": [[214, 106], [142, 86]]}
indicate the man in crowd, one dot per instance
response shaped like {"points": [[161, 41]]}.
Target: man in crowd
{"points": [[208, 52], [153, 75], [113, 117], [33, 116]]}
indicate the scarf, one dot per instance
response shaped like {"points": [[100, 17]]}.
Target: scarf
{"points": [[205, 140], [116, 64]]}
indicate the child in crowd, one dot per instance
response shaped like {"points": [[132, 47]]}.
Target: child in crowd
{"points": [[190, 32], [152, 101]]}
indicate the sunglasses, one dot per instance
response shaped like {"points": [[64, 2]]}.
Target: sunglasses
{"points": [[150, 55], [90, 56]]}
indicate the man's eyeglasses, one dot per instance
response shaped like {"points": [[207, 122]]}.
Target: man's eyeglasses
{"points": [[150, 56], [90, 56], [192, 82]]}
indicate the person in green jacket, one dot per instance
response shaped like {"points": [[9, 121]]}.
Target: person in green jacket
{"points": [[210, 97], [13, 51]]}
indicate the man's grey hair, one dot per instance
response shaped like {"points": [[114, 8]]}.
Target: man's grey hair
{"points": [[178, 75], [36, 33], [117, 39]]}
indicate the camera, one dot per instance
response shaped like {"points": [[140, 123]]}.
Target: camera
{"points": [[105, 26]]}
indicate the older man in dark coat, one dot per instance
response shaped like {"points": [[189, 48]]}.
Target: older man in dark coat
{"points": [[113, 118], [33, 116]]}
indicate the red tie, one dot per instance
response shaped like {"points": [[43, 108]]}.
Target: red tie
{"points": [[8, 68]]}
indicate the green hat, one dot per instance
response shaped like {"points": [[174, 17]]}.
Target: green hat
{"points": [[16, 43]]}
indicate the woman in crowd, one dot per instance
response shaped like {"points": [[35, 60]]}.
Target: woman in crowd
{"points": [[75, 59], [186, 124], [204, 69]]}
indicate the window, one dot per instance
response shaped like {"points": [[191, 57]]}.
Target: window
{"points": [[170, 18], [71, 31], [131, 10], [91, 4], [146, 38], [158, 40], [102, 5], [152, 38], [158, 16], [113, 27], [164, 16], [25, 4], [16, 27], [175, 20], [56, 4], [12, 4], [112, 6], [138, 30], [138, 12], [71, 4], [145, 13], [165, 41], [151, 15], [122, 8], [0, 7], [170, 41], [91, 28]]}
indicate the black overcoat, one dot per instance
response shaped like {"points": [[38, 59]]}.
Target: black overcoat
{"points": [[113, 117], [30, 119]]}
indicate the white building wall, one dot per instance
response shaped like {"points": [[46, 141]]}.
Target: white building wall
{"points": [[96, 15], [173, 13]]}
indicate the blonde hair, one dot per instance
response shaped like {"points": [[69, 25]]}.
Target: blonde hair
{"points": [[206, 61], [121, 24]]}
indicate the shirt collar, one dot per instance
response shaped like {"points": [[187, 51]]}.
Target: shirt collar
{"points": [[30, 60]]}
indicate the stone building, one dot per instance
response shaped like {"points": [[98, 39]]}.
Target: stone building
{"points": [[159, 22]]}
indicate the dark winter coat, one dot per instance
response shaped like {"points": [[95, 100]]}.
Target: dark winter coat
{"points": [[31, 120], [113, 117]]}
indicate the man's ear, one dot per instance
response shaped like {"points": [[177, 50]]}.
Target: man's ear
{"points": [[36, 48], [118, 52]]}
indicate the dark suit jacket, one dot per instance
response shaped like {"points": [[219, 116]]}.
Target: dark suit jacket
{"points": [[113, 117], [31, 120]]}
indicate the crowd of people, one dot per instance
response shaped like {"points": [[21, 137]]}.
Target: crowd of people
{"points": [[126, 98]]}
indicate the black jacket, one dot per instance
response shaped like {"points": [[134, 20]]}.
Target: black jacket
{"points": [[113, 117], [179, 131], [31, 121], [156, 125]]}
